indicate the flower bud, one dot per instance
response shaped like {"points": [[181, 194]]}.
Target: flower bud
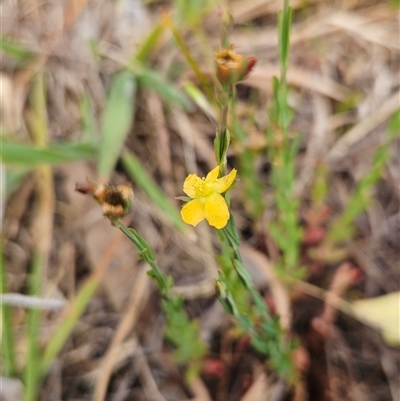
{"points": [[232, 67], [116, 202]]}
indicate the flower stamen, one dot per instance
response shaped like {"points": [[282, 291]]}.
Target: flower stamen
{"points": [[207, 201]]}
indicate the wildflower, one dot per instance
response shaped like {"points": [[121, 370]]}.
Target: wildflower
{"points": [[232, 67], [207, 201], [116, 201]]}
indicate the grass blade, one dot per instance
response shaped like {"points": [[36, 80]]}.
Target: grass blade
{"points": [[117, 120], [149, 44], [88, 121], [31, 155], [200, 100], [150, 79], [64, 330], [15, 50], [42, 225], [143, 180]]}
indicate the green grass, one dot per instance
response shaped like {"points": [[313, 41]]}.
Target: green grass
{"points": [[343, 227], [282, 152]]}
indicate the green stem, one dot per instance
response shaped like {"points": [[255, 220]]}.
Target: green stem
{"points": [[32, 375], [64, 330], [223, 141], [228, 233], [7, 329], [147, 254], [181, 330], [266, 334], [223, 136], [224, 118]]}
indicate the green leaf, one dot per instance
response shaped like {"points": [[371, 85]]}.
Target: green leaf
{"points": [[231, 233], [277, 235], [144, 244], [150, 79], [394, 125], [200, 100], [190, 13], [395, 3], [284, 23], [149, 44], [117, 120], [88, 120], [15, 50], [217, 147], [67, 324], [29, 155]]}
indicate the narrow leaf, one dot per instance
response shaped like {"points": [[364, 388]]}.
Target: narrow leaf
{"points": [[117, 120], [15, 50], [88, 120], [143, 180], [149, 44], [29, 155], [169, 93]]}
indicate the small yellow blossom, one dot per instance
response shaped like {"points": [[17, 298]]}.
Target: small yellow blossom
{"points": [[207, 201]]}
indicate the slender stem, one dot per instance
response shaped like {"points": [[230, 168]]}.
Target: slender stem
{"points": [[223, 139], [245, 275], [181, 330], [7, 329], [129, 234], [224, 118], [32, 376], [42, 224], [146, 254]]}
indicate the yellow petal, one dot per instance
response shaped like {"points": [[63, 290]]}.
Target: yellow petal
{"points": [[193, 211], [216, 211], [382, 313], [223, 184], [212, 175], [191, 184]]}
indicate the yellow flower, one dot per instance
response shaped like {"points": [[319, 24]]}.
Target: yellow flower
{"points": [[207, 201]]}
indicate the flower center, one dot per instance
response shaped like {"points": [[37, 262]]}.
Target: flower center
{"points": [[202, 188]]}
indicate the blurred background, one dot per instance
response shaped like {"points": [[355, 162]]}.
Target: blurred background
{"points": [[121, 92]]}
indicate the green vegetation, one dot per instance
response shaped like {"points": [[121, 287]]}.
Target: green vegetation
{"points": [[103, 141]]}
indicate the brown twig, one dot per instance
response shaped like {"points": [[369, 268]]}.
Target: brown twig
{"points": [[129, 319]]}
